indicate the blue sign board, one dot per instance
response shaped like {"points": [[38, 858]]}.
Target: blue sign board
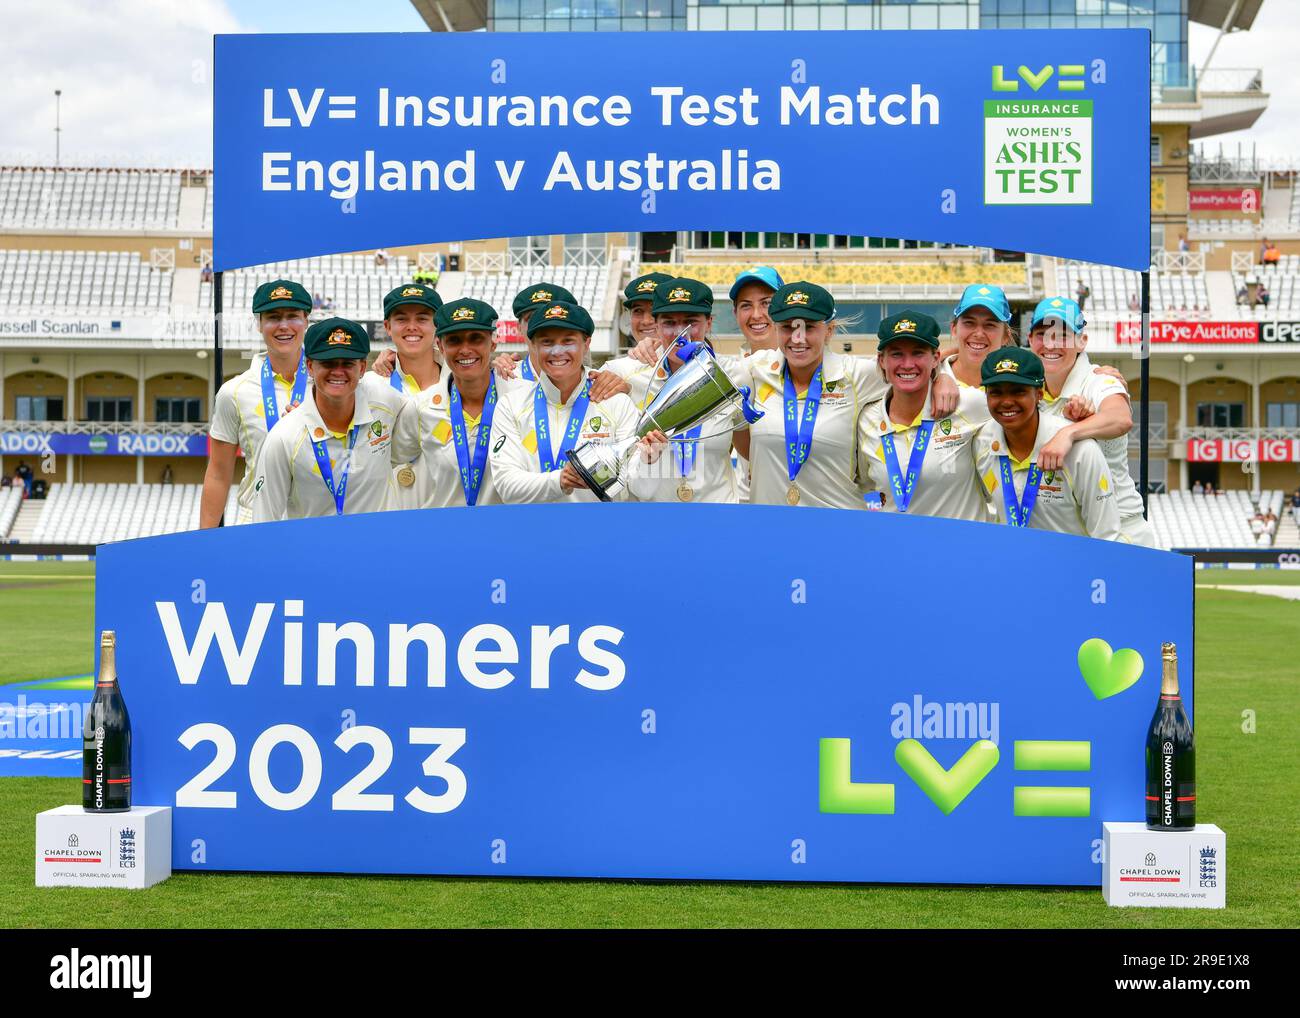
{"points": [[1028, 140], [42, 443], [882, 698]]}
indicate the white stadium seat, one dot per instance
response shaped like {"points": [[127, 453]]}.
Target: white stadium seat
{"points": [[11, 500], [82, 280], [76, 199], [1174, 293], [585, 282], [1184, 519], [354, 283], [98, 513]]}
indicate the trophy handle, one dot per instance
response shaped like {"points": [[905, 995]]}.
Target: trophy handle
{"points": [[683, 343]]}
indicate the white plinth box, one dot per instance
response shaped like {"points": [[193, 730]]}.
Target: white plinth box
{"points": [[79, 849], [1164, 869]]}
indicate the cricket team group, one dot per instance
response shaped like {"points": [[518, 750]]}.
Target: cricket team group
{"points": [[986, 430]]}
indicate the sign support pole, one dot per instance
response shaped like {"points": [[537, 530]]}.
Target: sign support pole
{"points": [[1144, 398], [218, 372]]}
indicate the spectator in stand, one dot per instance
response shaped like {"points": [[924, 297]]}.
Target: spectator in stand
{"points": [[1133, 303], [1271, 254], [25, 473], [206, 274], [317, 302], [167, 474], [1270, 523], [328, 304], [1183, 246], [1209, 487], [1081, 294], [1242, 295], [1262, 295], [1295, 506], [6, 481], [1198, 488], [18, 483], [381, 258]]}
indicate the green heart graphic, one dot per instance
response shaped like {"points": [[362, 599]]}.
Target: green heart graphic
{"points": [[946, 788], [1108, 672], [1036, 81]]}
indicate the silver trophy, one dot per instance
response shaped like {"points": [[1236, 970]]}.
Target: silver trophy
{"points": [[697, 393]]}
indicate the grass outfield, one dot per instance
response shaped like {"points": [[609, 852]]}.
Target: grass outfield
{"points": [[47, 612], [1246, 657]]}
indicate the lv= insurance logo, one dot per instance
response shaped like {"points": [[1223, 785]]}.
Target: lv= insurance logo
{"points": [[1106, 672]]}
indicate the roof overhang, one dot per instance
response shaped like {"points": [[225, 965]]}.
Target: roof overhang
{"points": [[1215, 12], [460, 15], [1225, 112]]}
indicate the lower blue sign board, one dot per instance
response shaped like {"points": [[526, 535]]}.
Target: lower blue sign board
{"points": [[711, 692]]}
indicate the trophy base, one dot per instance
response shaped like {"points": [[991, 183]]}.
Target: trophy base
{"points": [[588, 477]]}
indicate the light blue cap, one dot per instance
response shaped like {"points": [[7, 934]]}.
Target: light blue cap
{"points": [[984, 295], [1063, 308], [764, 274]]}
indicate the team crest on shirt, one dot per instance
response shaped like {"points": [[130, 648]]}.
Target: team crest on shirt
{"points": [[413, 291], [556, 312], [541, 297], [946, 426], [463, 315], [339, 337], [281, 293], [377, 429], [797, 297], [594, 424]]}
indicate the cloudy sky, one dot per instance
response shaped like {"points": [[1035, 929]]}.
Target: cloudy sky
{"points": [[136, 75]]}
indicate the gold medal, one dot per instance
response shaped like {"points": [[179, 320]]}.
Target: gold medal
{"points": [[792, 496], [685, 492], [406, 476]]}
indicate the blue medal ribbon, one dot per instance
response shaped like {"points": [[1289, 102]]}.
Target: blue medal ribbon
{"points": [[905, 487], [471, 471], [527, 370], [685, 452], [296, 394], [327, 471], [799, 431], [1019, 510], [545, 457]]}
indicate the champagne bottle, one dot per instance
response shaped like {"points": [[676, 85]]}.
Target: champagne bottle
{"points": [[106, 740], [1171, 755]]}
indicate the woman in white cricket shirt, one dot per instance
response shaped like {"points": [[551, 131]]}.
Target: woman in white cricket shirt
{"points": [[804, 450], [248, 405], [1057, 335], [1077, 498], [456, 419], [535, 426], [335, 454], [919, 464], [697, 469]]}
